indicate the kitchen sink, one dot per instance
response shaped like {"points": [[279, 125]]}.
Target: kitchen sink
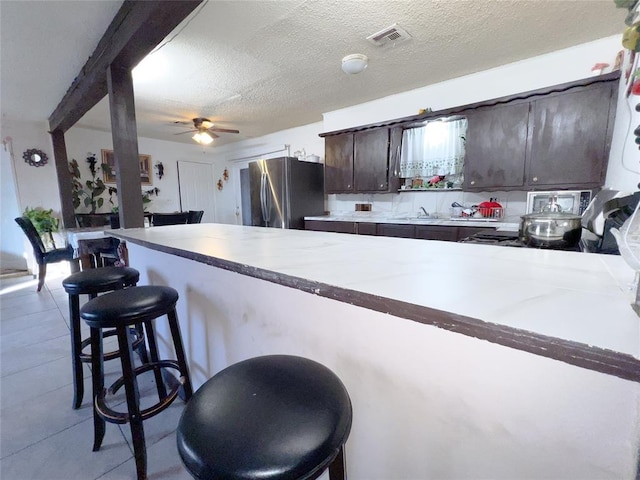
{"points": [[414, 218]]}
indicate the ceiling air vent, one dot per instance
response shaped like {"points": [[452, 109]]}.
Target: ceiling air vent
{"points": [[393, 34]]}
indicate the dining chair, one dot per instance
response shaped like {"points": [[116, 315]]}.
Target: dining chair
{"points": [[177, 218], [195, 216], [42, 255], [92, 219]]}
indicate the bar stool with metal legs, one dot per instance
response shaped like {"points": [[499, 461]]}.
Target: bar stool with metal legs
{"points": [[267, 418], [120, 310], [92, 282]]}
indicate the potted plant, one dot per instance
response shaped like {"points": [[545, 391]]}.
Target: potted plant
{"points": [[90, 192], [44, 222]]}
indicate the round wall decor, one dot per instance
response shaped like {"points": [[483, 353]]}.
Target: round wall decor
{"points": [[35, 157]]}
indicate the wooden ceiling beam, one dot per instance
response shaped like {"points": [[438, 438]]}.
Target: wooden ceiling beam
{"points": [[137, 28]]}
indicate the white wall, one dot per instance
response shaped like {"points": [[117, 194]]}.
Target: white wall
{"points": [[237, 155], [38, 186], [80, 141], [546, 70], [530, 74]]}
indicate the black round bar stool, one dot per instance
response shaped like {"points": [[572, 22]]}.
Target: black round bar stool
{"points": [[266, 418], [92, 282], [120, 310]]}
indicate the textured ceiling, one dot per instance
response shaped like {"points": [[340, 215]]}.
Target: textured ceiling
{"points": [[263, 66]]}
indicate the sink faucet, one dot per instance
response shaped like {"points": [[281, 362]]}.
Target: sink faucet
{"points": [[423, 211]]}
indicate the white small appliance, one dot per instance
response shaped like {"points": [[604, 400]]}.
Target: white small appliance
{"points": [[570, 201]]}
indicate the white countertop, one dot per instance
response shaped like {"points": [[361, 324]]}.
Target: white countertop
{"points": [[508, 224], [574, 296]]}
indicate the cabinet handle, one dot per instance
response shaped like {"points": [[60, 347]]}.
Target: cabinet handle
{"points": [[472, 182], [535, 179], [382, 185], [349, 186]]}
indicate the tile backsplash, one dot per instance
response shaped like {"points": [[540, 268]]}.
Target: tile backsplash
{"points": [[435, 202]]}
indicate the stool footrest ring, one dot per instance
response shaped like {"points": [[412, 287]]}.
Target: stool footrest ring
{"points": [[113, 416], [86, 357]]}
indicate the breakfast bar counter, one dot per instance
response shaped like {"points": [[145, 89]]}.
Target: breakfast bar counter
{"points": [[462, 360]]}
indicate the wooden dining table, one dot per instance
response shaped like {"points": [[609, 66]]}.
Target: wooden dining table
{"points": [[89, 243]]}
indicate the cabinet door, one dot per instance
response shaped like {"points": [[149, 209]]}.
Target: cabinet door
{"points": [[366, 228], [569, 145], [323, 226], [338, 164], [396, 230], [429, 232], [371, 160], [464, 232], [496, 147]]}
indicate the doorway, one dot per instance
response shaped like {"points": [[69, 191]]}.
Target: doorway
{"points": [[197, 188], [13, 241]]}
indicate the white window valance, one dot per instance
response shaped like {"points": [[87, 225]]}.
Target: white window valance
{"points": [[437, 148]]}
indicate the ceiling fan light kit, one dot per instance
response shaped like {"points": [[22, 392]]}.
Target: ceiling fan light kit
{"points": [[205, 130], [354, 63], [203, 138]]}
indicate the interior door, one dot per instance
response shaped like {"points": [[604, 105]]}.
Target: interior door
{"points": [[12, 238], [197, 186]]}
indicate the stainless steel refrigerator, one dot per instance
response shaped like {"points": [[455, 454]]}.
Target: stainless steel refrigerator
{"points": [[283, 191]]}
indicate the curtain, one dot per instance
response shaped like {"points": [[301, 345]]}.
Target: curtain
{"points": [[434, 149]]}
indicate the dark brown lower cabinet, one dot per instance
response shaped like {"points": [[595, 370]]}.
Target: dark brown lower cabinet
{"points": [[396, 230], [365, 228], [425, 232], [428, 232], [322, 226]]}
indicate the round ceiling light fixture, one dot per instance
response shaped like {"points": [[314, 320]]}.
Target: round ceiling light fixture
{"points": [[354, 63]]}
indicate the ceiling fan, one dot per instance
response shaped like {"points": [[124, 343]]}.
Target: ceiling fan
{"points": [[206, 131]]}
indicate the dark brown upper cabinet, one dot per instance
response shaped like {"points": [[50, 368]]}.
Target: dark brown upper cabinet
{"points": [[553, 137], [571, 137], [557, 140], [338, 163], [371, 160], [362, 161], [496, 146]]}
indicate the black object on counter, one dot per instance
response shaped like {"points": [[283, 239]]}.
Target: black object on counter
{"points": [[620, 209], [510, 239]]}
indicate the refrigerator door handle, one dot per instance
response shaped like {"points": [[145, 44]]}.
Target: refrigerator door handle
{"points": [[263, 197]]}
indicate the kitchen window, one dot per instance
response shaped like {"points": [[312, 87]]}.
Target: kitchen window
{"points": [[435, 148]]}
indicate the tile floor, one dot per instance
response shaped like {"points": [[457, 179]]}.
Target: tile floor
{"points": [[41, 436]]}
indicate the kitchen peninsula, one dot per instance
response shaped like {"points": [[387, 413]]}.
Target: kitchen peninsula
{"points": [[462, 360]]}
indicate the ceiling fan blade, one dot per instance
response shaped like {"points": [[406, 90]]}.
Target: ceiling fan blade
{"points": [[223, 130], [213, 134], [186, 131]]}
